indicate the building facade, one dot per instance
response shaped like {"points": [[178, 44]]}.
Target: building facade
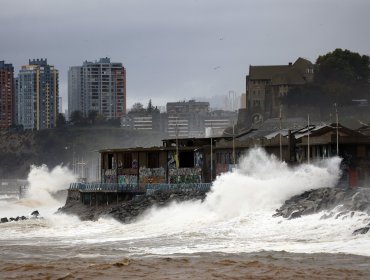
{"points": [[186, 118], [98, 86], [38, 95], [7, 93], [266, 85]]}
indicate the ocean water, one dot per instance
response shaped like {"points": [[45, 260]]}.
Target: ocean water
{"points": [[234, 224]]}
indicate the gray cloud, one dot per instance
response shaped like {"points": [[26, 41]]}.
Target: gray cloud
{"points": [[175, 50]]}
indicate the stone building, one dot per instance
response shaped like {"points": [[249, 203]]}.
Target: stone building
{"points": [[265, 85]]}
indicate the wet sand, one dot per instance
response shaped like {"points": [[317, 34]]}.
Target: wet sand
{"points": [[264, 265]]}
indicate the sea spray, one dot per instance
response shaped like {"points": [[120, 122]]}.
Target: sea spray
{"points": [[42, 184], [261, 181]]}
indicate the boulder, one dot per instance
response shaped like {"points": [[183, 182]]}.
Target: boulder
{"points": [[295, 215], [363, 230], [318, 200], [35, 214]]}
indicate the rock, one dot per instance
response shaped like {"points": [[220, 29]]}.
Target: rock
{"points": [[35, 214], [4, 220], [295, 215], [327, 216], [340, 214], [313, 201], [363, 230]]}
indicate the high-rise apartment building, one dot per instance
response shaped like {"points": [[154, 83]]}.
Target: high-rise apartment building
{"points": [[98, 86], [38, 95], [7, 91]]}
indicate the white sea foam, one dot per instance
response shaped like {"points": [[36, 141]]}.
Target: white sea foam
{"points": [[43, 183], [236, 216]]}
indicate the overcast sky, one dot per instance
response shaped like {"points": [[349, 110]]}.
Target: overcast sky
{"points": [[176, 50]]}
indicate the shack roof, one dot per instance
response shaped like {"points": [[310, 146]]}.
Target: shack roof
{"points": [[147, 149]]}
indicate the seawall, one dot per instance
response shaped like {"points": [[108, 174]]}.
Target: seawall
{"points": [[126, 207]]}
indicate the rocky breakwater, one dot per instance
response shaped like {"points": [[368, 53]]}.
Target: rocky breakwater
{"points": [[34, 215], [128, 211], [337, 202]]}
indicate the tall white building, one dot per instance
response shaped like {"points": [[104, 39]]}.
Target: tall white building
{"points": [[97, 86]]}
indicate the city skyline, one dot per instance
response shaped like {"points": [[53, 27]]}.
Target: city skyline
{"points": [[174, 51]]}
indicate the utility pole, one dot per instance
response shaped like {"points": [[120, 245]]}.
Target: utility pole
{"points": [[234, 142], [281, 148], [177, 145], [211, 152], [336, 116], [308, 138]]}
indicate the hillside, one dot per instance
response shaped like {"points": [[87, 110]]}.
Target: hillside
{"points": [[20, 150]]}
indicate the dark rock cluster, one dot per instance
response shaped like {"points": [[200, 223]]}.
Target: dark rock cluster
{"points": [[345, 202], [34, 215]]}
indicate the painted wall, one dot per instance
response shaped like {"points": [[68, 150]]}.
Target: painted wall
{"points": [[127, 179], [110, 176], [184, 175], [128, 175], [222, 168], [152, 175]]}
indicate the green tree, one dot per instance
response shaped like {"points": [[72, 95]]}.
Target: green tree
{"points": [[150, 107], [61, 120], [137, 108], [93, 114], [344, 66], [77, 118]]}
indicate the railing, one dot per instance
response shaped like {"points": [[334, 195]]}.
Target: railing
{"points": [[106, 187], [149, 188]]}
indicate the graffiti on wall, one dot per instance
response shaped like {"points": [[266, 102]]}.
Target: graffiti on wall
{"points": [[110, 176], [171, 160], [223, 168], [152, 175], [128, 171], [127, 179], [185, 175], [198, 159]]}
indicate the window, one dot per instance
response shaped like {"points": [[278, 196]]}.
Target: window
{"points": [[127, 160], [186, 159], [110, 161], [153, 160]]}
